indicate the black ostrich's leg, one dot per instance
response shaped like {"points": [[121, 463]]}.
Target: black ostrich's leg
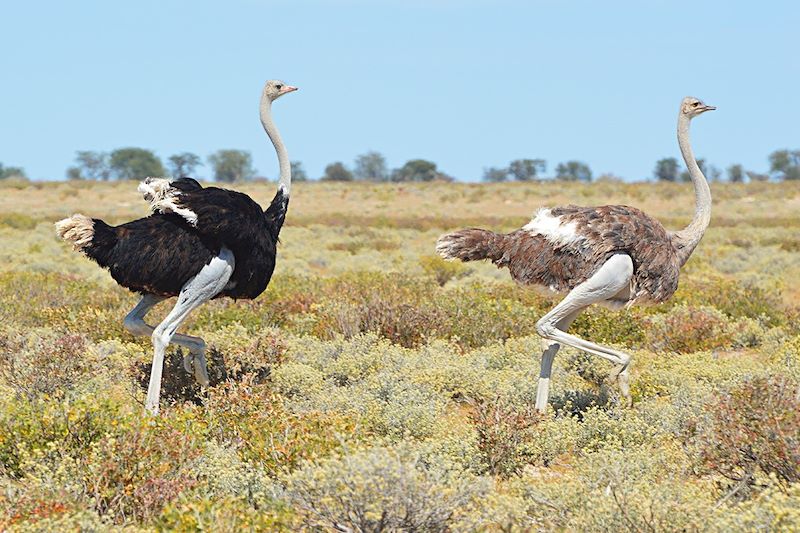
{"points": [[194, 361], [198, 290]]}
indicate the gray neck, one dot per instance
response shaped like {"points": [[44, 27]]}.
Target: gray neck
{"points": [[686, 240], [285, 180]]}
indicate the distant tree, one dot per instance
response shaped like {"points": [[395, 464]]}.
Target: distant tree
{"points": [[494, 174], [135, 163], [91, 166], [573, 171], [527, 169], [755, 176], [417, 170], [74, 173], [608, 178], [735, 173], [231, 165], [183, 164], [785, 164], [704, 168], [298, 172], [666, 169], [337, 172], [714, 173], [12, 172], [371, 167]]}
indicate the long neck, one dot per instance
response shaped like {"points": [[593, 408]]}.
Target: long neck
{"points": [[688, 238], [285, 180]]}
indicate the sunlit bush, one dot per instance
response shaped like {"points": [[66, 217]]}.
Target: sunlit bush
{"points": [[42, 361], [503, 429], [383, 489], [254, 421], [753, 428]]}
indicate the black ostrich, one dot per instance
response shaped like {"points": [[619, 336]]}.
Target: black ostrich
{"points": [[200, 243]]}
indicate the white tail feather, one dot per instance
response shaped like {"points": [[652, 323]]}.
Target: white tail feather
{"points": [[77, 229]]}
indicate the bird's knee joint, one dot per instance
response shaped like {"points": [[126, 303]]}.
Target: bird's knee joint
{"points": [[545, 329], [161, 338]]}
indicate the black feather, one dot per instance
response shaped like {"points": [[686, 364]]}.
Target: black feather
{"points": [[160, 253]]}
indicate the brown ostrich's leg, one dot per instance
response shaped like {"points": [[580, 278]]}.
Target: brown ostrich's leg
{"points": [[614, 276], [549, 350]]}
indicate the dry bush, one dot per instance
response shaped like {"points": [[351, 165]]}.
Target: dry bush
{"points": [[734, 298], [382, 489], [255, 421], [133, 475], [503, 430], [753, 428], [43, 361], [685, 329], [443, 271], [396, 308]]}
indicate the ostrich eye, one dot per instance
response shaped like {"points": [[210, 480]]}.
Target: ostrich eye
{"points": [[279, 87], [695, 104]]}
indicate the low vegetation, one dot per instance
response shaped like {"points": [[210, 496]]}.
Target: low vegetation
{"points": [[374, 387]]}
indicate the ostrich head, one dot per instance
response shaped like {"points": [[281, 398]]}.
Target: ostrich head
{"points": [[692, 107], [274, 89]]}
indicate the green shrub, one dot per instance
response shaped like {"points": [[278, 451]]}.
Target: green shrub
{"points": [[443, 271], [631, 489], [364, 377], [382, 489], [255, 421], [74, 425], [193, 513], [734, 298], [19, 221]]}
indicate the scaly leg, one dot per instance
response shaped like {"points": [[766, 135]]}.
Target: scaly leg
{"points": [[198, 290], [614, 276], [193, 362], [549, 351]]}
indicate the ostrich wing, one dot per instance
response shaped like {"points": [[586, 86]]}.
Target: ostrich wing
{"points": [[227, 217]]}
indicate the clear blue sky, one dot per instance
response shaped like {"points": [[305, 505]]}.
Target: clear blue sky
{"points": [[465, 83]]}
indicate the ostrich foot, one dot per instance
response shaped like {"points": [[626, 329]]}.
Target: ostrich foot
{"points": [[195, 364], [621, 376]]}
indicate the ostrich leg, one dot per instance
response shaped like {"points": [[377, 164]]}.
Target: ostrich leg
{"points": [[613, 277], [549, 351], [198, 290], [194, 362]]}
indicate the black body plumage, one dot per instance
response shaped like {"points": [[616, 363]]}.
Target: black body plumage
{"points": [[160, 253]]}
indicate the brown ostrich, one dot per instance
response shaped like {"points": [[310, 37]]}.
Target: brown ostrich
{"points": [[613, 255]]}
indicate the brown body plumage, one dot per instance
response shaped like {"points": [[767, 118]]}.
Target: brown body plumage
{"points": [[559, 257]]}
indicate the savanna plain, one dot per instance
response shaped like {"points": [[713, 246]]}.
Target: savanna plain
{"points": [[376, 387]]}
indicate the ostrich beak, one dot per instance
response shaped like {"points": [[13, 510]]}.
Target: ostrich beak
{"points": [[709, 108], [287, 89]]}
